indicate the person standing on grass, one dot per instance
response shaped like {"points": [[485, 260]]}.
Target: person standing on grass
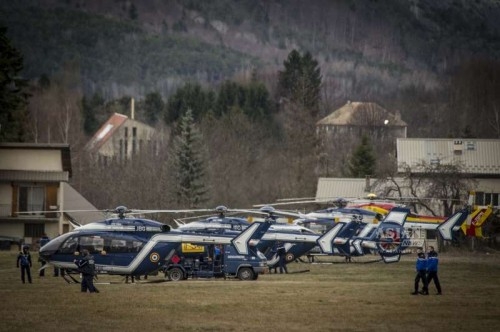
{"points": [[282, 257], [43, 241], [432, 269], [87, 268], [421, 267], [24, 261]]}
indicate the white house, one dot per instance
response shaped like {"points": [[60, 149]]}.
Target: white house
{"points": [[33, 182]]}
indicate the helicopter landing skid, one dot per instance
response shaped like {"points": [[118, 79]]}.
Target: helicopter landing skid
{"points": [[71, 279]]}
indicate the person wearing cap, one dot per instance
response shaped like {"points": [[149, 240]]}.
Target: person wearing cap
{"points": [[24, 262]]}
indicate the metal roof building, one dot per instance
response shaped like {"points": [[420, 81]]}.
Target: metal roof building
{"points": [[479, 157]]}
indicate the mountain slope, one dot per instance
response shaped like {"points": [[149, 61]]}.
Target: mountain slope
{"points": [[368, 48]]}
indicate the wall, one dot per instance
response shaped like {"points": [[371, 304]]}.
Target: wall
{"points": [[31, 160]]}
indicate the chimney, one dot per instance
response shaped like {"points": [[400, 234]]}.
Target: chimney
{"points": [[397, 116], [132, 111]]}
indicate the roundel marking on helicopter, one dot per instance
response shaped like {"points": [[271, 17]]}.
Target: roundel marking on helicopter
{"points": [[289, 257], [390, 239], [154, 257]]}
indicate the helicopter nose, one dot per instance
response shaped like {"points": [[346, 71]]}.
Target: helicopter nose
{"points": [[46, 254]]}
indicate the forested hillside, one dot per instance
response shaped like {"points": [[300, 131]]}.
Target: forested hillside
{"points": [[433, 61], [385, 51]]}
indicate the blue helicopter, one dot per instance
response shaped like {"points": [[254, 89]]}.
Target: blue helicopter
{"points": [[124, 245], [322, 220], [298, 240], [356, 238]]}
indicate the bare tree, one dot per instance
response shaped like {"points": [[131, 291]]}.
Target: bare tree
{"points": [[474, 99], [244, 161], [429, 187], [55, 113]]}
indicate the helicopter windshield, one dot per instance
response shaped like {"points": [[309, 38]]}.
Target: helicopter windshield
{"points": [[47, 250]]}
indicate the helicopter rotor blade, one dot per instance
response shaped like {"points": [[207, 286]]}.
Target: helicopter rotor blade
{"points": [[59, 211], [179, 223], [74, 223]]}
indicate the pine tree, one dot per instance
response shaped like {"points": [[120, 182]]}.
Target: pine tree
{"points": [[13, 100], [257, 104], [90, 108], [191, 96], [362, 162], [298, 87], [300, 82], [189, 164], [154, 107]]}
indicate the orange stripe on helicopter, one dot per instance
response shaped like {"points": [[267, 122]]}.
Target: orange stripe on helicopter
{"points": [[384, 208]]}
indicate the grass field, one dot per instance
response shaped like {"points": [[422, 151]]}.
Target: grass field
{"points": [[330, 297]]}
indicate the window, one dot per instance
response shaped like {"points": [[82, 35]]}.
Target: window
{"points": [[431, 234], [31, 198], [93, 243], [124, 246], [470, 145], [34, 230], [491, 199], [134, 140], [70, 246], [480, 198], [483, 198]]}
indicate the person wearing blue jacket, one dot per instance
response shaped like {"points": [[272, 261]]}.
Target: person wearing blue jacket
{"points": [[432, 269], [421, 267], [24, 262]]}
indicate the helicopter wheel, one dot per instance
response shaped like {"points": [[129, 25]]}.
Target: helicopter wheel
{"points": [[246, 273], [175, 274]]}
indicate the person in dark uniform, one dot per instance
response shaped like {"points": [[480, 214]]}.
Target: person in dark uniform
{"points": [[432, 269], [281, 250], [87, 269], [43, 241], [421, 267], [24, 262]]}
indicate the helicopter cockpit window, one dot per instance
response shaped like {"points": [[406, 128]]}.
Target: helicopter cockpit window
{"points": [[69, 246]]}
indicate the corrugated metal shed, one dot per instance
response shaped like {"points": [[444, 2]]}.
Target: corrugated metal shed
{"points": [[478, 156], [329, 188]]}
